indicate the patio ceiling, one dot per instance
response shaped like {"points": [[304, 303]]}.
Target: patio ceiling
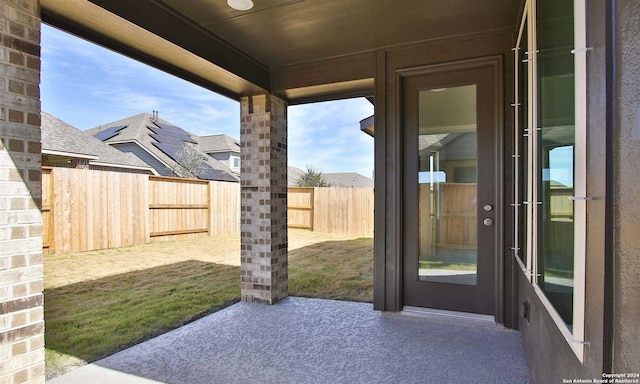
{"points": [[299, 49]]}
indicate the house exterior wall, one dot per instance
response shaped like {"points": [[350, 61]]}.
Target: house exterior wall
{"points": [[223, 157], [388, 158], [626, 194], [144, 156], [227, 158], [21, 266], [613, 138], [47, 161], [612, 305]]}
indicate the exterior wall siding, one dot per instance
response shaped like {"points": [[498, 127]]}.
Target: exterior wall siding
{"points": [[144, 156], [626, 199], [227, 159], [549, 356], [263, 196], [222, 157], [21, 265]]}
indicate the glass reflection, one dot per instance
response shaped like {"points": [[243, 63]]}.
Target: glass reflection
{"points": [[447, 147], [556, 116]]}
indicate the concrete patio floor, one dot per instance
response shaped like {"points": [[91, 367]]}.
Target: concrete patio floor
{"points": [[316, 341]]}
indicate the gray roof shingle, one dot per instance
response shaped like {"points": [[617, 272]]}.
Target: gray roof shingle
{"points": [[348, 179], [60, 136], [336, 179], [218, 143], [139, 131]]}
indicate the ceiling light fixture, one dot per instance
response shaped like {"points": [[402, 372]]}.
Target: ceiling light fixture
{"points": [[240, 5], [438, 89]]}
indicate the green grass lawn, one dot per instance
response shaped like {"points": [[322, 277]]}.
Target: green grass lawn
{"points": [[91, 319], [341, 270]]}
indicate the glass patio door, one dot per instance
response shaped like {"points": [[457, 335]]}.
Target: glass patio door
{"points": [[449, 200]]}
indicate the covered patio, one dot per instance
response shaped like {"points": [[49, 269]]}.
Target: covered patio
{"points": [[303, 340], [552, 88]]}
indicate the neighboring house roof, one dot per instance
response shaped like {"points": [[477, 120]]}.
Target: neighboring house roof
{"points": [[63, 140], [218, 143], [161, 139], [336, 179], [368, 125], [348, 179], [293, 174]]}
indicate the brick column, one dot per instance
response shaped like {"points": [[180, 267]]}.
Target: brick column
{"points": [[21, 272], [263, 138]]}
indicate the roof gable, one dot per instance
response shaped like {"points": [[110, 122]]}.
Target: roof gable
{"points": [[219, 143], [61, 137], [163, 140]]}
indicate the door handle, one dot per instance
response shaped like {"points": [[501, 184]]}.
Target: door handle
{"points": [[488, 222]]}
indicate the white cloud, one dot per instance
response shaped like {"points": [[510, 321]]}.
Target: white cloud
{"points": [[86, 84], [327, 135]]}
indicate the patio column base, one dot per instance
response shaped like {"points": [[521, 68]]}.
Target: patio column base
{"points": [[263, 138]]}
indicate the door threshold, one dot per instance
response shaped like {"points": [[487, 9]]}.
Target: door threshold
{"points": [[442, 314]]}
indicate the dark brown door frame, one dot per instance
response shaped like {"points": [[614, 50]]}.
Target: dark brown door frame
{"points": [[496, 64]]}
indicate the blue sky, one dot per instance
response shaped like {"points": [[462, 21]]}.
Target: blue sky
{"points": [[87, 85]]}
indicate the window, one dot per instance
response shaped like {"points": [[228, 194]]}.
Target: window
{"points": [[236, 162], [520, 156], [555, 143], [550, 160]]}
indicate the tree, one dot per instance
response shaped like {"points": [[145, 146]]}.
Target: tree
{"points": [[312, 178], [190, 162]]}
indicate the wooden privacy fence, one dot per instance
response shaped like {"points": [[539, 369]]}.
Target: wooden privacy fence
{"points": [[88, 209], [332, 210]]}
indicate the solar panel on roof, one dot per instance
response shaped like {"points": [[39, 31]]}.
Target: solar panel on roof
{"points": [[109, 132], [174, 131], [171, 139], [155, 130], [166, 135], [169, 149], [213, 174], [167, 127]]}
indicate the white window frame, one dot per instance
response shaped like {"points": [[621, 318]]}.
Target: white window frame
{"points": [[575, 337], [517, 156]]}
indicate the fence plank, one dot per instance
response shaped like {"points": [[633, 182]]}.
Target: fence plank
{"points": [[80, 190], [102, 209], [225, 207], [90, 212], [300, 202], [90, 209], [65, 209], [343, 210], [47, 210], [178, 208]]}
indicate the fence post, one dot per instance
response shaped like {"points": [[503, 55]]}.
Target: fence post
{"points": [[209, 208], [147, 209], [312, 203], [48, 212]]}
